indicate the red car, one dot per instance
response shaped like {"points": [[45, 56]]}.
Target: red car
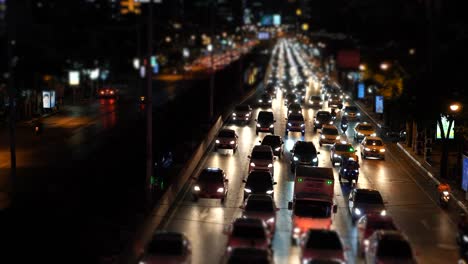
{"points": [[366, 227], [319, 244], [261, 206], [107, 92], [248, 232], [211, 183]]}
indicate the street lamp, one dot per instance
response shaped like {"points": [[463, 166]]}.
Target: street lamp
{"points": [[384, 66], [454, 108]]}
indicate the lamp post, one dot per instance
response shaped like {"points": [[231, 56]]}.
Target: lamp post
{"points": [[454, 109]]}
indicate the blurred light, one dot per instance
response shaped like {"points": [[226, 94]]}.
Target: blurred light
{"points": [[168, 39], [305, 26], [455, 107], [73, 77], [412, 51], [209, 47], [94, 74], [136, 63], [384, 66], [298, 12], [362, 67]]}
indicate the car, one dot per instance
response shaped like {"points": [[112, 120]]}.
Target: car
{"points": [[275, 142], [265, 122], [322, 117], [362, 130], [294, 108], [320, 244], [290, 98], [242, 113], [329, 135], [389, 246], [372, 147], [226, 139], [167, 247], [295, 123], [248, 232], [367, 225], [349, 171], [364, 201], [265, 100], [271, 90], [342, 149], [249, 255], [315, 101], [108, 92], [210, 183], [262, 159], [351, 112], [334, 101], [261, 206], [259, 182], [303, 153]]}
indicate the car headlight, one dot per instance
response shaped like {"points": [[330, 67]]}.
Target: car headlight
{"points": [[277, 149], [220, 190], [302, 125], [269, 101], [337, 137], [252, 164], [217, 141], [446, 193], [289, 124], [258, 125], [335, 155], [297, 230], [271, 126], [315, 159], [321, 103], [366, 242], [316, 122], [382, 150], [322, 136], [270, 220], [356, 170], [373, 134], [367, 149], [247, 190], [345, 113], [270, 165], [196, 188], [358, 114], [247, 114], [360, 134], [357, 211], [234, 114], [330, 123], [232, 142], [260, 101], [269, 192], [295, 159], [465, 238], [383, 213], [345, 170]]}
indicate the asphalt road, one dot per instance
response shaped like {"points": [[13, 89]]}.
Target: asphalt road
{"points": [[410, 197]]}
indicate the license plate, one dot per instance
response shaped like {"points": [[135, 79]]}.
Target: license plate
{"points": [[264, 128]]}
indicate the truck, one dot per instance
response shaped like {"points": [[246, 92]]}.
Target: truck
{"points": [[312, 204]]}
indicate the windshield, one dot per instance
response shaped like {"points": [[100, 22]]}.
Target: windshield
{"points": [[373, 142], [249, 232], [323, 115], [323, 240], [351, 109], [262, 155], [295, 118], [167, 247], [316, 209], [381, 225], [368, 197], [330, 131], [366, 127], [242, 108], [394, 248], [347, 148], [227, 133], [214, 177], [259, 206], [265, 116], [304, 148], [315, 98], [271, 140]]}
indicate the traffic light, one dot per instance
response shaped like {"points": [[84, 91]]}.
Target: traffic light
{"points": [[130, 6]]}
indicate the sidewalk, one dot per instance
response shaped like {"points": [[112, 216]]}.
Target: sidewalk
{"points": [[432, 170]]}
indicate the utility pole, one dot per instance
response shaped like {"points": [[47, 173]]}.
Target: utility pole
{"points": [[213, 72], [241, 64], [149, 108], [11, 60]]}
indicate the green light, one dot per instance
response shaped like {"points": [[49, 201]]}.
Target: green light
{"points": [[329, 182], [351, 149], [299, 179]]}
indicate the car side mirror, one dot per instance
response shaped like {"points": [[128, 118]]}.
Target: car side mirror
{"points": [[244, 181], [226, 180], [290, 205], [274, 183], [335, 208], [249, 156]]}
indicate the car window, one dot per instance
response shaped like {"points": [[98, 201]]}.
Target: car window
{"points": [[296, 118], [347, 148], [330, 131], [323, 114], [350, 109], [394, 248], [252, 232], [265, 116], [262, 155], [324, 240], [242, 108], [167, 247], [271, 140], [304, 148], [368, 197], [374, 142], [365, 127], [227, 133], [259, 206], [214, 177]]}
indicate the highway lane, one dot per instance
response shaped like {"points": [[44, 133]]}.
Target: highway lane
{"points": [[430, 229]]}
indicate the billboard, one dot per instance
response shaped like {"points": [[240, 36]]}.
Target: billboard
{"points": [[465, 173], [276, 20], [46, 99], [379, 104], [263, 35], [445, 125], [361, 92], [266, 20], [52, 99], [348, 59]]}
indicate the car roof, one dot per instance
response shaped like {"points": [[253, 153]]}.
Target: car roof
{"points": [[390, 235], [248, 221], [295, 115], [170, 235], [374, 138], [262, 148], [366, 190], [329, 126], [259, 172], [259, 197]]}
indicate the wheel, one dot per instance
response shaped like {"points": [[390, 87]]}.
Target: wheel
{"points": [[303, 133]]}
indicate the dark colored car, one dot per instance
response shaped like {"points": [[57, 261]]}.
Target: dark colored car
{"points": [[365, 201], [271, 89], [259, 182], [351, 112], [276, 144], [320, 244], [107, 92], [249, 255], [321, 118], [167, 247], [290, 98], [264, 100], [261, 206], [211, 183], [294, 108], [242, 113], [367, 225], [303, 153], [265, 122], [295, 123]]}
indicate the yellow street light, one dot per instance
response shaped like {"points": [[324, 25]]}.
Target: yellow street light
{"points": [[384, 66], [362, 67], [455, 107], [298, 12], [305, 26]]}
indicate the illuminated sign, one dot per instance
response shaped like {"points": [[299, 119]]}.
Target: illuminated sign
{"points": [[379, 106], [445, 125], [74, 78], [465, 173], [276, 20], [46, 99]]}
